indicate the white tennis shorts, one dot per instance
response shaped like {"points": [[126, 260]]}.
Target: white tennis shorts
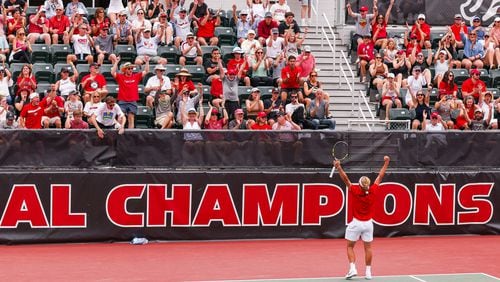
{"points": [[357, 228]]}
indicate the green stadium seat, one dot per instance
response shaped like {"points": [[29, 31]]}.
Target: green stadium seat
{"points": [[244, 93], [83, 70], [172, 70], [40, 53], [112, 90], [43, 72], [399, 114], [495, 92], [434, 95], [460, 75], [42, 88], [144, 117], [197, 72], [226, 52], [60, 52], [206, 93], [266, 92], [171, 53], [126, 52], [435, 38], [105, 70], [495, 78], [226, 35], [15, 70]]}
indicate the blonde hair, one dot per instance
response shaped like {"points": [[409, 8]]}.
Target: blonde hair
{"points": [[364, 182]]}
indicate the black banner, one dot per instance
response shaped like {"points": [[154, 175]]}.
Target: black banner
{"points": [[437, 12], [70, 206], [250, 150]]}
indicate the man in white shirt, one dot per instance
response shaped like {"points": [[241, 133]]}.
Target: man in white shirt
{"points": [[92, 105], [279, 9], [157, 83], [182, 26], [190, 51], [275, 45], [108, 116], [82, 42], [164, 28], [435, 124], [147, 45], [487, 105]]}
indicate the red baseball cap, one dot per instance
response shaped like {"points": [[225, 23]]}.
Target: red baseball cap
{"points": [[262, 114], [475, 71], [363, 9]]}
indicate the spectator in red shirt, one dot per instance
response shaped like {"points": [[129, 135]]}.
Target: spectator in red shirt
{"points": [[447, 86], [59, 26], [473, 85], [15, 23], [99, 22], [366, 55], [26, 80], [94, 82], [455, 28], [423, 31], [53, 108], [212, 120], [290, 79], [77, 122], [128, 83], [412, 44], [206, 29], [264, 28], [379, 27], [237, 62], [363, 199], [39, 27], [31, 114], [261, 122]]}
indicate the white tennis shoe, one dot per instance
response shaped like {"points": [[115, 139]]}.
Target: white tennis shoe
{"points": [[351, 274], [368, 275]]}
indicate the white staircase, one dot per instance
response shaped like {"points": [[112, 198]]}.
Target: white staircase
{"points": [[341, 97]]}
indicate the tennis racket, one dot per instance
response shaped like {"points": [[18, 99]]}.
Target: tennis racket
{"points": [[340, 151]]}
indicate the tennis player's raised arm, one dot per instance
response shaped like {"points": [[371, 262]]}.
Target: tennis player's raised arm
{"points": [[342, 174], [382, 170]]}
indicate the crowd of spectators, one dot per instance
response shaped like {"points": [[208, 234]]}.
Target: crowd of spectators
{"points": [[102, 88], [448, 80]]}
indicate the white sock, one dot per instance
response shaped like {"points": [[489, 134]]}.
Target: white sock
{"points": [[368, 268], [352, 266]]}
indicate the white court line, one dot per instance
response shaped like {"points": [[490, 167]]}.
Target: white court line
{"points": [[464, 273], [418, 279], [342, 277], [491, 276]]}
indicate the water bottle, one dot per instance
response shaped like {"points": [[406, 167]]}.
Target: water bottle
{"points": [[139, 241]]}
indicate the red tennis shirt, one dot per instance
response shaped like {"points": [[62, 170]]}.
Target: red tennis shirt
{"points": [[362, 202]]}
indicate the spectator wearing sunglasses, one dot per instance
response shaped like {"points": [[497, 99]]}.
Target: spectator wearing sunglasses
{"points": [[423, 31], [473, 51], [379, 27]]}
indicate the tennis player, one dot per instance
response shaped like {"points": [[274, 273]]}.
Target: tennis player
{"points": [[363, 197]]}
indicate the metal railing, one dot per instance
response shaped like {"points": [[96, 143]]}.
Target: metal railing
{"points": [[378, 125], [339, 12], [343, 76], [315, 11]]}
